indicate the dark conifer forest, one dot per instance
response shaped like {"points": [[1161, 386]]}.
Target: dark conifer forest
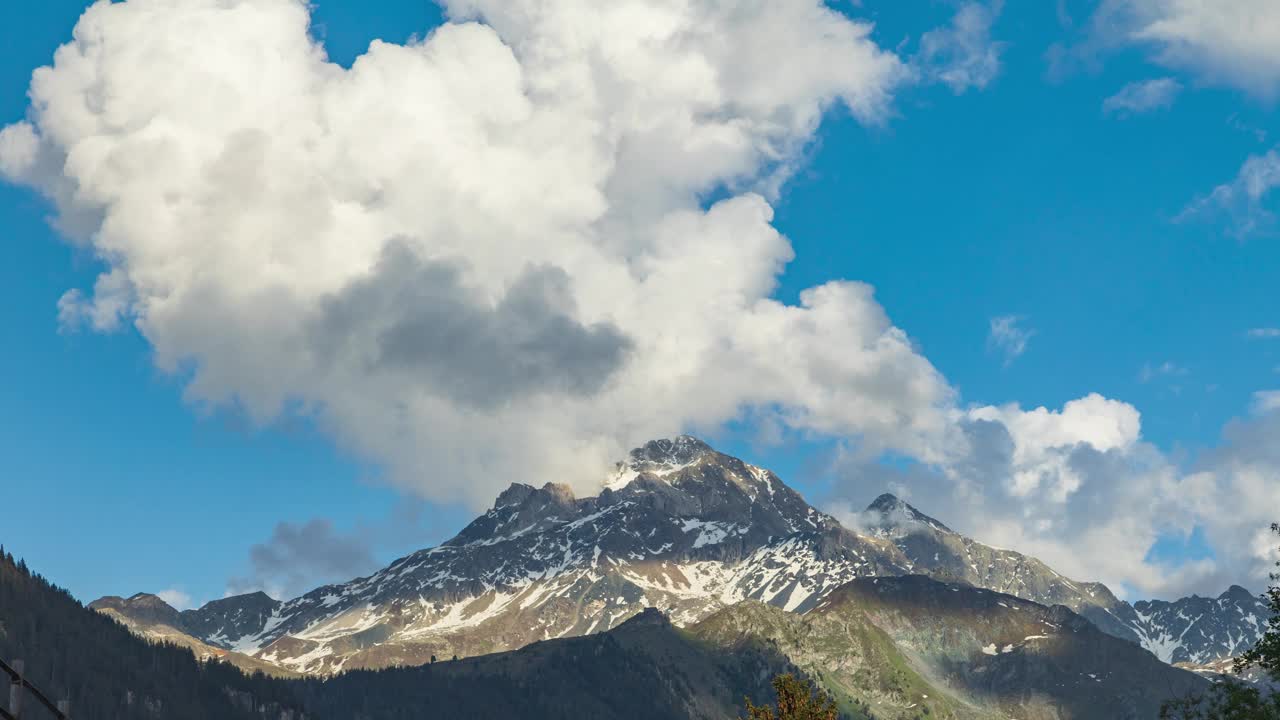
{"points": [[72, 653]]}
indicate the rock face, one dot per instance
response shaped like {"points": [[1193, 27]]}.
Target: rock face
{"points": [[223, 621], [677, 526]]}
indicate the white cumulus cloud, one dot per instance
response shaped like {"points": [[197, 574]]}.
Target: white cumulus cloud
{"points": [[484, 256], [1080, 488]]}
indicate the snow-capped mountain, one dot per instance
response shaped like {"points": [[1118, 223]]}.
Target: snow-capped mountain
{"points": [[1200, 630], [677, 526]]}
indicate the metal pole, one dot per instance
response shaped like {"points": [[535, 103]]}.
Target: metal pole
{"points": [[15, 689]]}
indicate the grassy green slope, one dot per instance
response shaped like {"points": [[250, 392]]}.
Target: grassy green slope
{"points": [[845, 653]]}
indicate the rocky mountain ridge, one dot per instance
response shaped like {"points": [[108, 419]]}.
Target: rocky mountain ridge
{"points": [[678, 526], [888, 648], [885, 648], [149, 616], [1200, 630]]}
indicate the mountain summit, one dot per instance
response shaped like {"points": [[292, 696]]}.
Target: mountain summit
{"points": [[894, 516], [681, 450]]}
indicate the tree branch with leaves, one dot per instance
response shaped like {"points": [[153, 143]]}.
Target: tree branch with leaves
{"points": [[1232, 699], [797, 700]]}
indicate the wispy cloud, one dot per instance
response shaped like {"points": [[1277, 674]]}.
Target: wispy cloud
{"points": [[176, 598], [1265, 401], [1008, 337], [298, 557], [1263, 333], [1235, 42], [1150, 372], [1242, 200], [1235, 123], [962, 55], [1144, 96]]}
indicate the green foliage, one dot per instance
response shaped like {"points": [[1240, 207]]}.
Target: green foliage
{"points": [[797, 700], [1231, 699], [1266, 653]]}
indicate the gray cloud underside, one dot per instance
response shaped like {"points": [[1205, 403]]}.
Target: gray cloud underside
{"points": [[418, 318]]}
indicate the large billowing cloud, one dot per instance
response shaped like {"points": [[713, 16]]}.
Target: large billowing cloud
{"points": [[485, 256], [492, 256]]}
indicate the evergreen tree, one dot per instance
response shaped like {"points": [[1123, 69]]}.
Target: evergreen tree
{"points": [[107, 673]]}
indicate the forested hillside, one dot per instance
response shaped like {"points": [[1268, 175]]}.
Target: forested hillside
{"points": [[110, 674]]}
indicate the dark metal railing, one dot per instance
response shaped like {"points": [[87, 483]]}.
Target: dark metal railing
{"points": [[19, 686]]}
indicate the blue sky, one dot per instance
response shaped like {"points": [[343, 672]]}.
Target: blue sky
{"points": [[1022, 198]]}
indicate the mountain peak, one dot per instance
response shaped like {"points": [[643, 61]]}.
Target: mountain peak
{"points": [[648, 617], [894, 512], [680, 450], [659, 458], [887, 502], [142, 607], [257, 596], [147, 599], [520, 493], [1239, 595]]}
